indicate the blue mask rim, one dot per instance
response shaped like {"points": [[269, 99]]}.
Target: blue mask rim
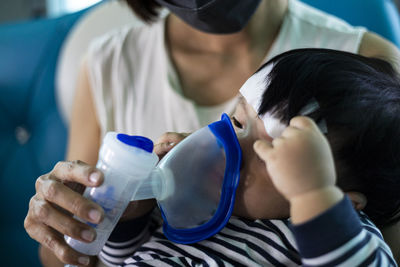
{"points": [[224, 132]]}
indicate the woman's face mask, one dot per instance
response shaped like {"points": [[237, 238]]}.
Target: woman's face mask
{"points": [[213, 16]]}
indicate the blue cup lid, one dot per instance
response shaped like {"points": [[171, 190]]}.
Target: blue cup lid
{"points": [[136, 141]]}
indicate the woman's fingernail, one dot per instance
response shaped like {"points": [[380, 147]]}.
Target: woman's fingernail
{"points": [[87, 235], [171, 144], [94, 215], [83, 260], [94, 177]]}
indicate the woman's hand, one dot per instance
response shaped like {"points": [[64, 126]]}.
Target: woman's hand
{"points": [[301, 166], [50, 211], [58, 197]]}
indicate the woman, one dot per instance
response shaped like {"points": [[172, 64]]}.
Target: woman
{"points": [[176, 74]]}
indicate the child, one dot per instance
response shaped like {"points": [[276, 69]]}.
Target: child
{"points": [[295, 171]]}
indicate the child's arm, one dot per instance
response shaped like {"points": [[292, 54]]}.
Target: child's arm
{"points": [[301, 167], [326, 227], [339, 237]]}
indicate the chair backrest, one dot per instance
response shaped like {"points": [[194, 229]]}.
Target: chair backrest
{"points": [[32, 134], [379, 16]]}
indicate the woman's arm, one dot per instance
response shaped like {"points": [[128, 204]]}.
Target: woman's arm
{"points": [[84, 129], [372, 45]]}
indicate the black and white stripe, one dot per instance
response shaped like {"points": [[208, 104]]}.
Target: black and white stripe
{"points": [[250, 243], [114, 253]]}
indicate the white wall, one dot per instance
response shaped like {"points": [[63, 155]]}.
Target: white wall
{"points": [[59, 7]]}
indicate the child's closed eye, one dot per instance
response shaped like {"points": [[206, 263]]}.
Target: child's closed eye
{"points": [[236, 122]]}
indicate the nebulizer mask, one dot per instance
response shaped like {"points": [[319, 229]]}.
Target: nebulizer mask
{"points": [[195, 183]]}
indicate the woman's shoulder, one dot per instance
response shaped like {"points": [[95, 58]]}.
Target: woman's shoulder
{"points": [[126, 39], [312, 17], [305, 26]]}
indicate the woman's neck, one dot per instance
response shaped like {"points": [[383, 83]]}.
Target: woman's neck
{"points": [[258, 34], [212, 67]]}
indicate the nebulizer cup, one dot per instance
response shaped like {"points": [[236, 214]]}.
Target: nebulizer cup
{"points": [[194, 184], [126, 162]]}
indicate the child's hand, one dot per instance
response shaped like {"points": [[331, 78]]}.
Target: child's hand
{"points": [[163, 145], [300, 160], [300, 164], [167, 141]]}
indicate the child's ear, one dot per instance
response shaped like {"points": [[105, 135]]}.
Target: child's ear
{"points": [[358, 199]]}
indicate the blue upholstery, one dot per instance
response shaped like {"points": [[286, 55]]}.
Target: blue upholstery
{"points": [[32, 134], [380, 16]]}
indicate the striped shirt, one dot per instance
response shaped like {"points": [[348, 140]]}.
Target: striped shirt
{"points": [[338, 237]]}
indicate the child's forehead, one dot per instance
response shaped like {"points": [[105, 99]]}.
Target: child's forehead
{"points": [[269, 126], [252, 92], [254, 88], [243, 107]]}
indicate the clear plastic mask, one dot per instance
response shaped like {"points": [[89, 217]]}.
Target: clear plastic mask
{"points": [[195, 183]]}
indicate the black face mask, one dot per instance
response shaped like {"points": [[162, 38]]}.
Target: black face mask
{"points": [[213, 16]]}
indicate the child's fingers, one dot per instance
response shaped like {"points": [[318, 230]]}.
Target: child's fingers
{"points": [[290, 131], [167, 141], [302, 122], [262, 148], [171, 137], [163, 148]]}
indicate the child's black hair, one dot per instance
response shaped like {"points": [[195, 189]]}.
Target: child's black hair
{"points": [[359, 99]]}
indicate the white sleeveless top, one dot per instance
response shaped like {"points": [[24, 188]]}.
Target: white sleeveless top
{"points": [[136, 89]]}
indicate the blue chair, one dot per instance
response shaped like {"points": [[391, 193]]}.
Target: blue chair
{"points": [[32, 133], [379, 16]]}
